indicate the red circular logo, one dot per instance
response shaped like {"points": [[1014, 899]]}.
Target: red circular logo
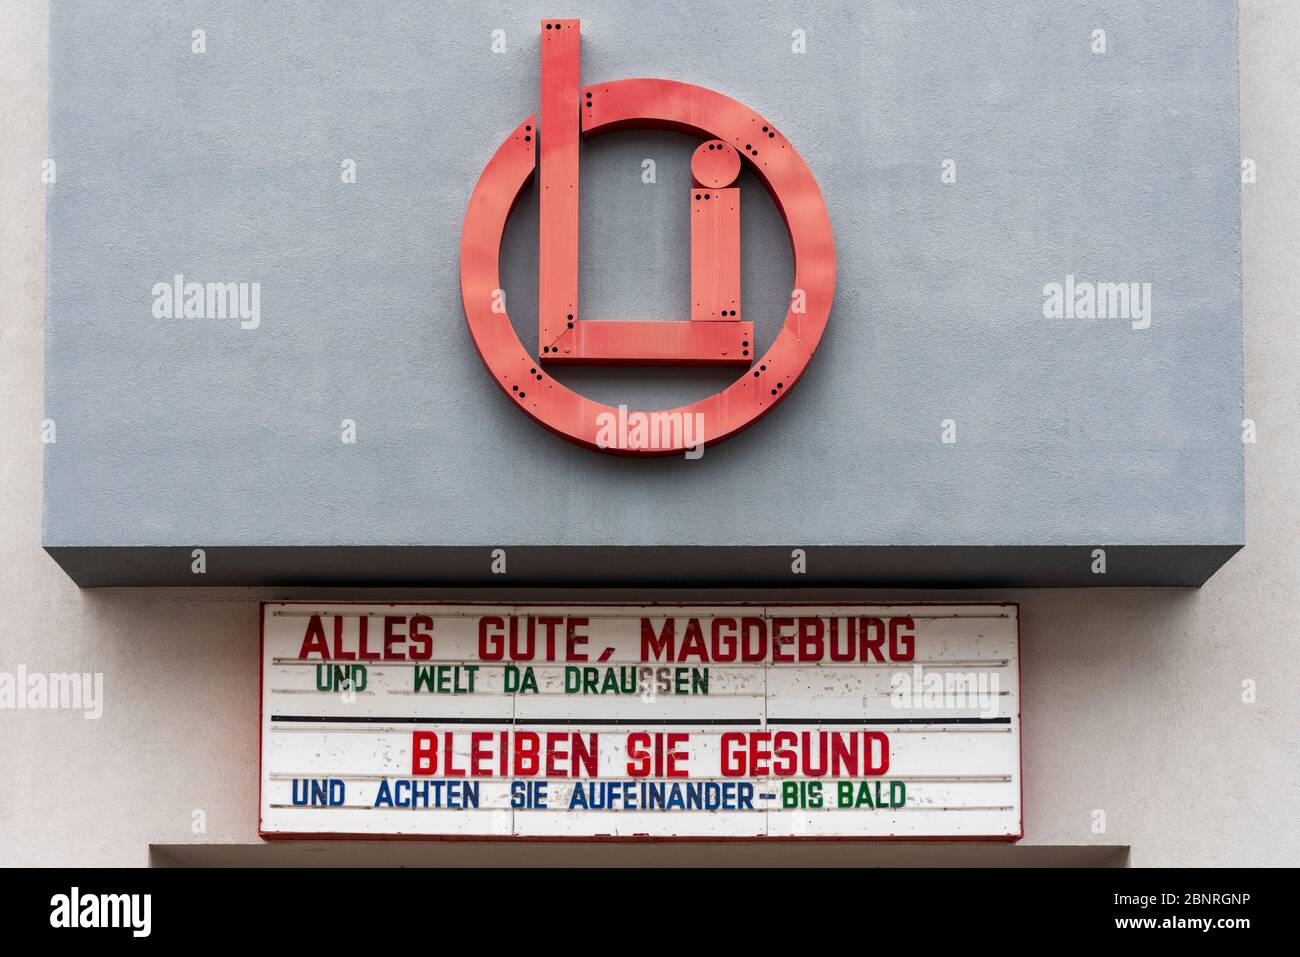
{"points": [[716, 333]]}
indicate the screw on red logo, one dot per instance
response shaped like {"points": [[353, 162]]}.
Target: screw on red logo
{"points": [[715, 333]]}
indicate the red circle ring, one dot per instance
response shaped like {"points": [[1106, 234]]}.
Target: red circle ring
{"points": [[684, 108]]}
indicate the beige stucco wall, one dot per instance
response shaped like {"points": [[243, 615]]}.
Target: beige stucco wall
{"points": [[1132, 697]]}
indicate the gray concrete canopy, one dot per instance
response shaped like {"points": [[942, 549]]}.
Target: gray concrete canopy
{"points": [[989, 171]]}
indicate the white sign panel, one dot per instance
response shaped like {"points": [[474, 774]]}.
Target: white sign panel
{"points": [[625, 721]]}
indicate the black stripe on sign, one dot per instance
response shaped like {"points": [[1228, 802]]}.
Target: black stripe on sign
{"points": [[628, 722], [862, 721]]}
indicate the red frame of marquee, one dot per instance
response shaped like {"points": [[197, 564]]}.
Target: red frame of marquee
{"points": [[646, 839], [564, 338]]}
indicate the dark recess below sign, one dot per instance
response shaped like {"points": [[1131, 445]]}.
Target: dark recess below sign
{"points": [[940, 566]]}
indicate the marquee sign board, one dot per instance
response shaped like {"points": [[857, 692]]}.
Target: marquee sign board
{"points": [[621, 721]]}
